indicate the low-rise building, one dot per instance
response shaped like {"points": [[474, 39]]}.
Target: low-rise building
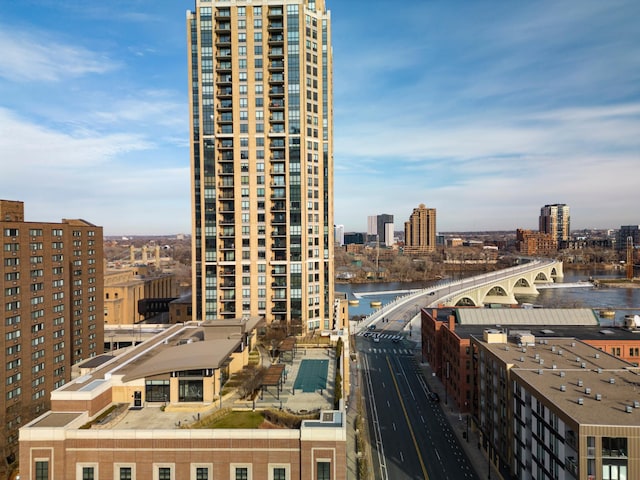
{"points": [[140, 414]]}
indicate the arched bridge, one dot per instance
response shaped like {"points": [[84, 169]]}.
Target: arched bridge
{"points": [[502, 286], [496, 287]]}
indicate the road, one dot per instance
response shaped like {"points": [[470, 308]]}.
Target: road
{"points": [[410, 435]]}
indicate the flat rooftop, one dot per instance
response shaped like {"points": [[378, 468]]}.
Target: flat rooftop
{"points": [[554, 354], [605, 403]]}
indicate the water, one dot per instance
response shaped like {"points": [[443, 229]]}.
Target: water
{"points": [[623, 300]]}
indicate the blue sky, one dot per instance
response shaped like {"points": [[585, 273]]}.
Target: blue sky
{"points": [[483, 110]]}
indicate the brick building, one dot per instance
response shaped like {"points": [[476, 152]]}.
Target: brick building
{"points": [[52, 288], [136, 415]]}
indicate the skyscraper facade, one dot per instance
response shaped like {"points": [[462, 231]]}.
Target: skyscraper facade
{"points": [[262, 161], [380, 229], [420, 231], [556, 221], [51, 283]]}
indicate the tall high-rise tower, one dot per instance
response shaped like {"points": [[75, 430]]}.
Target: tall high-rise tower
{"points": [[262, 161], [420, 231], [556, 221]]}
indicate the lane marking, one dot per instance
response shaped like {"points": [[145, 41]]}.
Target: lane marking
{"points": [[406, 417]]}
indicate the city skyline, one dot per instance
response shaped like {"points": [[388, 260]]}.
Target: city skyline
{"points": [[500, 107]]}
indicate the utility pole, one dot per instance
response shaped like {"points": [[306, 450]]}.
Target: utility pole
{"points": [[630, 258]]}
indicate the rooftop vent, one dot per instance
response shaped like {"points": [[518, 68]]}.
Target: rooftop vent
{"points": [[599, 370], [542, 361], [578, 359], [506, 348], [524, 350], [554, 366], [596, 355], [580, 401], [598, 396], [540, 371], [563, 388], [587, 391], [522, 359], [560, 352], [583, 365], [579, 382], [636, 404], [562, 374], [573, 344], [612, 380], [537, 356], [628, 409], [553, 348]]}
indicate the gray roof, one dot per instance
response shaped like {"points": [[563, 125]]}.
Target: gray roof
{"points": [[528, 316], [189, 356]]}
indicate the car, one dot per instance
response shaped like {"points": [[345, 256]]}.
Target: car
{"points": [[434, 397], [432, 293], [366, 334], [372, 327], [395, 339]]}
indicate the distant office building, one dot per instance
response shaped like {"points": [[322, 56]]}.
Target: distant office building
{"points": [[339, 235], [380, 228], [556, 221], [536, 243], [125, 289], [372, 225], [261, 111], [420, 231], [389, 235], [52, 287], [354, 238], [625, 232]]}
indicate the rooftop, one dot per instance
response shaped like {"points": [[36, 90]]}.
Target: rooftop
{"points": [[589, 397], [564, 370]]}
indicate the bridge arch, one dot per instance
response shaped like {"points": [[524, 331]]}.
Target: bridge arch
{"points": [[465, 302], [497, 291], [502, 287], [542, 277]]}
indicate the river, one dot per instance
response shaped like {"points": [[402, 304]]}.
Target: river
{"points": [[623, 300]]}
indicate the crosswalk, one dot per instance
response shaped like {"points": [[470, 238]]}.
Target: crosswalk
{"points": [[395, 351], [381, 336]]}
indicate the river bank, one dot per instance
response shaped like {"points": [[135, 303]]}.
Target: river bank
{"points": [[616, 283]]}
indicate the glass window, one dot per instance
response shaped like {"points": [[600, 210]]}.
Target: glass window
{"points": [[190, 390], [164, 473], [323, 471], [242, 473], [42, 470], [157, 391], [125, 473], [88, 473], [279, 473], [202, 473]]}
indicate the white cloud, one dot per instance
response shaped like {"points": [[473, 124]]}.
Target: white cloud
{"points": [[35, 56]]}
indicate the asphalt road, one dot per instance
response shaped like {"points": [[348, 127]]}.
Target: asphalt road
{"points": [[410, 435]]}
